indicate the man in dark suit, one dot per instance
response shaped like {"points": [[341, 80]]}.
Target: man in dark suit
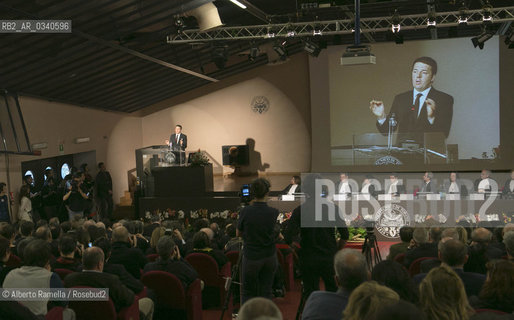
{"points": [[508, 188], [123, 252], [454, 253], [351, 271], [427, 182], [178, 142], [423, 109], [420, 247]]}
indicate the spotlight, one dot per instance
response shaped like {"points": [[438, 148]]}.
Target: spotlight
{"points": [[395, 27], [290, 31], [219, 56], [280, 49], [316, 30], [487, 15], [431, 22], [179, 24], [254, 53], [479, 40], [311, 48], [270, 33], [463, 16]]}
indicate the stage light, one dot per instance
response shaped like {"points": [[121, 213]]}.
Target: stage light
{"points": [[290, 31], [219, 56], [395, 27], [280, 49], [463, 16], [270, 34], [254, 53], [311, 48], [239, 4], [487, 15], [431, 21], [479, 40], [316, 30]]}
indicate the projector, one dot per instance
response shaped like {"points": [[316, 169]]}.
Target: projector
{"points": [[358, 55]]}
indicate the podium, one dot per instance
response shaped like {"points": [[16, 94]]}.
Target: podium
{"points": [[182, 181]]}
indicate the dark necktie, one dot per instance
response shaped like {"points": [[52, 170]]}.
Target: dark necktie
{"points": [[416, 104]]}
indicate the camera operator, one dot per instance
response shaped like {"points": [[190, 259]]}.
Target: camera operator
{"points": [[76, 198], [256, 225]]}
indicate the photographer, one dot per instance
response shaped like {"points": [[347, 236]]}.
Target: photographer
{"points": [[256, 225], [76, 197]]}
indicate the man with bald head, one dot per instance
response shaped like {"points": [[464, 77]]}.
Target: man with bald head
{"points": [[92, 275], [125, 253], [454, 254], [351, 271], [481, 251]]}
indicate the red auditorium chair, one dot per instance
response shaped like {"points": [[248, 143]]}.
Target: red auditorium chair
{"points": [[54, 314], [287, 265], [415, 266], [13, 262], [232, 256], [399, 258], [103, 310], [170, 294], [152, 257], [63, 273], [214, 279]]}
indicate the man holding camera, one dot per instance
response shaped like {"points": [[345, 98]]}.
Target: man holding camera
{"points": [[171, 261], [76, 197]]}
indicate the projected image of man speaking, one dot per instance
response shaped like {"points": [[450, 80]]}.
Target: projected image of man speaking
{"points": [[422, 109]]}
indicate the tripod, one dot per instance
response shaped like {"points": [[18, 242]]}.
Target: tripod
{"points": [[230, 284], [370, 242]]}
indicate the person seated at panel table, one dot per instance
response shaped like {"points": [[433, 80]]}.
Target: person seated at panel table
{"points": [[368, 187], [395, 188], [508, 188], [454, 185], [294, 186], [485, 183], [344, 186]]}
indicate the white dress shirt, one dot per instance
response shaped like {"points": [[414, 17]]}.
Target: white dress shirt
{"points": [[344, 188], [292, 189]]}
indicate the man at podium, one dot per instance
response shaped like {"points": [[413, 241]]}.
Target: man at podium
{"points": [[178, 142]]}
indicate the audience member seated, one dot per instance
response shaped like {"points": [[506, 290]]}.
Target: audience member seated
{"points": [[117, 269], [149, 228], [508, 240], [92, 275], [367, 300], [420, 247], [157, 233], [402, 310], [67, 248], [123, 252], [454, 254], [394, 276], [235, 242], [480, 251], [442, 295], [259, 308], [294, 186], [35, 273], [447, 234], [170, 261], [5, 253], [351, 271], [202, 244], [398, 248], [498, 290]]}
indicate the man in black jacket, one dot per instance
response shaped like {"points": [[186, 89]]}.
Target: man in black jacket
{"points": [[420, 247], [123, 252], [318, 245], [93, 276], [103, 185]]}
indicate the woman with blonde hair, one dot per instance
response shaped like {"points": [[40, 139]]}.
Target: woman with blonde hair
{"points": [[367, 299], [442, 296]]}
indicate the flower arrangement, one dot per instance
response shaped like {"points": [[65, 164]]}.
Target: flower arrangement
{"points": [[199, 159]]}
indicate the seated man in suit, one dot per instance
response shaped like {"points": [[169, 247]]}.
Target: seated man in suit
{"points": [[67, 248], [508, 188], [344, 186], [420, 247], [92, 275], [454, 185], [485, 183], [368, 187], [454, 254], [123, 252], [170, 261], [427, 182], [395, 188], [481, 251], [398, 248], [294, 186], [351, 271]]}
